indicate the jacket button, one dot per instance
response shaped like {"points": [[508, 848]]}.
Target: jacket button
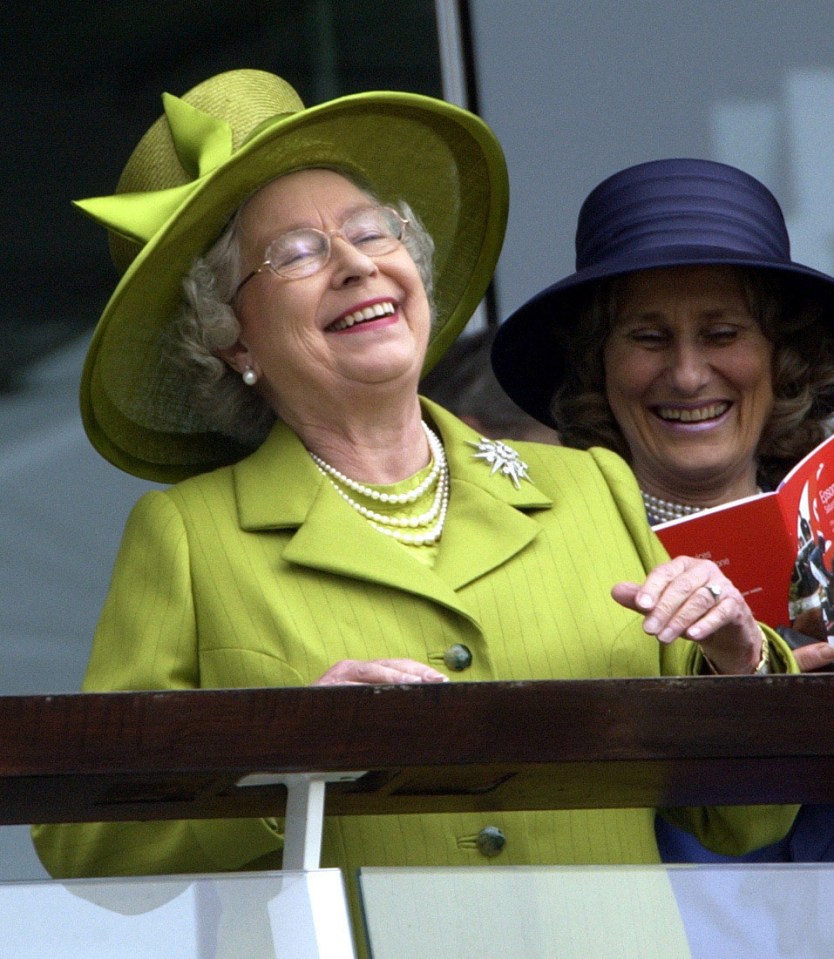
{"points": [[457, 657], [490, 841]]}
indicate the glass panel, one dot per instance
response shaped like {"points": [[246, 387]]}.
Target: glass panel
{"points": [[280, 915], [595, 912]]}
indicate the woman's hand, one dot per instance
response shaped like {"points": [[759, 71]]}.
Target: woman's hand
{"points": [[368, 672], [806, 636], [814, 656], [694, 599]]}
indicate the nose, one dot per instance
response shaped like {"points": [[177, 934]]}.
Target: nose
{"points": [[349, 263], [689, 368]]}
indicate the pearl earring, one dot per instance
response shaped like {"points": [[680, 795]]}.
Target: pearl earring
{"points": [[250, 377]]}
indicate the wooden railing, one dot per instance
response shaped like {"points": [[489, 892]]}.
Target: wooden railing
{"points": [[456, 746]]}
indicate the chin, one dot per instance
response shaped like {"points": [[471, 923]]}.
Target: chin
{"points": [[382, 374], [693, 476]]}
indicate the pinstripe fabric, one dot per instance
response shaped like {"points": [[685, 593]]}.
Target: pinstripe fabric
{"points": [[260, 575]]}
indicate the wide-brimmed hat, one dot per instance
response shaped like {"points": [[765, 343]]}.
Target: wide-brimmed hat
{"points": [[210, 150], [676, 212]]}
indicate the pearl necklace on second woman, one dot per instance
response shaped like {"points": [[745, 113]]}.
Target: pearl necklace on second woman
{"points": [[422, 530], [661, 511]]}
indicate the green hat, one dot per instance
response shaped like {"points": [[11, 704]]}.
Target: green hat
{"points": [[189, 173]]}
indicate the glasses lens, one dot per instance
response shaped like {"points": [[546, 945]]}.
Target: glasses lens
{"points": [[374, 230], [298, 253]]}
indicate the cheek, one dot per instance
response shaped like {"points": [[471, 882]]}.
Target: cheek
{"points": [[754, 379], [413, 282], [419, 310], [284, 315], [626, 376]]}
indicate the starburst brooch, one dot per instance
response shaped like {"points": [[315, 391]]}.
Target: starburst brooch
{"points": [[502, 458]]}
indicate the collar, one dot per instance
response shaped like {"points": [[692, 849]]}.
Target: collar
{"points": [[279, 487]]}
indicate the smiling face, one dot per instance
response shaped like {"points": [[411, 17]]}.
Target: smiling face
{"points": [[321, 342], [688, 379]]}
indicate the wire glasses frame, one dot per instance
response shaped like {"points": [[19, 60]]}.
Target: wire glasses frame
{"points": [[373, 230]]}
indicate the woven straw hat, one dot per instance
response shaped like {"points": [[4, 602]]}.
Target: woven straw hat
{"points": [[209, 151]]}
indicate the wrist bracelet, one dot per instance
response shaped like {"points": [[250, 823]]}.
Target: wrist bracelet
{"points": [[763, 666]]}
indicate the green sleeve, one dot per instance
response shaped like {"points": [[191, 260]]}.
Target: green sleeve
{"points": [[146, 639]]}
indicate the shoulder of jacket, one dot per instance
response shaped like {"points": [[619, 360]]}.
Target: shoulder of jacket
{"points": [[197, 488]]}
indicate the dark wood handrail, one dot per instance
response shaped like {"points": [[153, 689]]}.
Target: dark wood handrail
{"points": [[456, 746]]}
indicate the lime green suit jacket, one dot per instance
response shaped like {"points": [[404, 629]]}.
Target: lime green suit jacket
{"points": [[260, 575]]}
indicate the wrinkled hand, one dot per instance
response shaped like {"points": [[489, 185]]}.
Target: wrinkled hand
{"points": [[368, 672], [676, 602]]}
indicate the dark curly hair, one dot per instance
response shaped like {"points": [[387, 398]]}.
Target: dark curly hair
{"points": [[803, 371]]}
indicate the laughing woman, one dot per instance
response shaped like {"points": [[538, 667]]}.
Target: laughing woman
{"points": [[689, 342]]}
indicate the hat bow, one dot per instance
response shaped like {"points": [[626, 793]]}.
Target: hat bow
{"points": [[202, 143]]}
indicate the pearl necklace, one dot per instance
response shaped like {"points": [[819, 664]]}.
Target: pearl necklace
{"points": [[395, 526], [661, 510], [396, 498]]}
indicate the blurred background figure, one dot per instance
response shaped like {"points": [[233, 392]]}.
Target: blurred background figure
{"points": [[464, 383]]}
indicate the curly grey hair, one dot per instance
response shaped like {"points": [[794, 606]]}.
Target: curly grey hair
{"points": [[802, 366], [207, 324]]}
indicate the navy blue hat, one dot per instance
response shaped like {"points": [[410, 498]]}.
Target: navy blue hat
{"points": [[664, 213]]}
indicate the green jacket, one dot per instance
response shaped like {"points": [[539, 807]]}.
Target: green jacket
{"points": [[260, 575]]}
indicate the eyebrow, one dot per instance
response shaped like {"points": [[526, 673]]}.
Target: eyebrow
{"points": [[707, 313], [345, 215]]}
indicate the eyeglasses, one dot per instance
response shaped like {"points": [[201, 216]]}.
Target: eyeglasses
{"points": [[373, 230]]}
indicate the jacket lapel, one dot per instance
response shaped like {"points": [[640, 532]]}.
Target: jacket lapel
{"points": [[279, 487], [489, 523]]}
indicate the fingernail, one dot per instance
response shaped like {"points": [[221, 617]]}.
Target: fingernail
{"points": [[644, 601]]}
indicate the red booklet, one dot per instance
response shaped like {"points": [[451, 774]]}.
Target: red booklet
{"points": [[778, 548]]}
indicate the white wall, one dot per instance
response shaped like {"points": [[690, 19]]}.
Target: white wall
{"points": [[576, 91]]}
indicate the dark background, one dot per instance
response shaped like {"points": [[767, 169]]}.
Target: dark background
{"points": [[82, 82]]}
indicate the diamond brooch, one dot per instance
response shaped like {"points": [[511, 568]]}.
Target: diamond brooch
{"points": [[502, 458]]}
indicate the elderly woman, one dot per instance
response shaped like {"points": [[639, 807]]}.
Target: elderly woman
{"points": [[327, 525], [689, 342]]}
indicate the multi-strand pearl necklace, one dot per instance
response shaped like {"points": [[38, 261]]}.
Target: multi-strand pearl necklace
{"points": [[661, 510], [422, 530]]}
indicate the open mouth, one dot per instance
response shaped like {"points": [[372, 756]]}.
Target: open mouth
{"points": [[674, 414], [366, 314]]}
